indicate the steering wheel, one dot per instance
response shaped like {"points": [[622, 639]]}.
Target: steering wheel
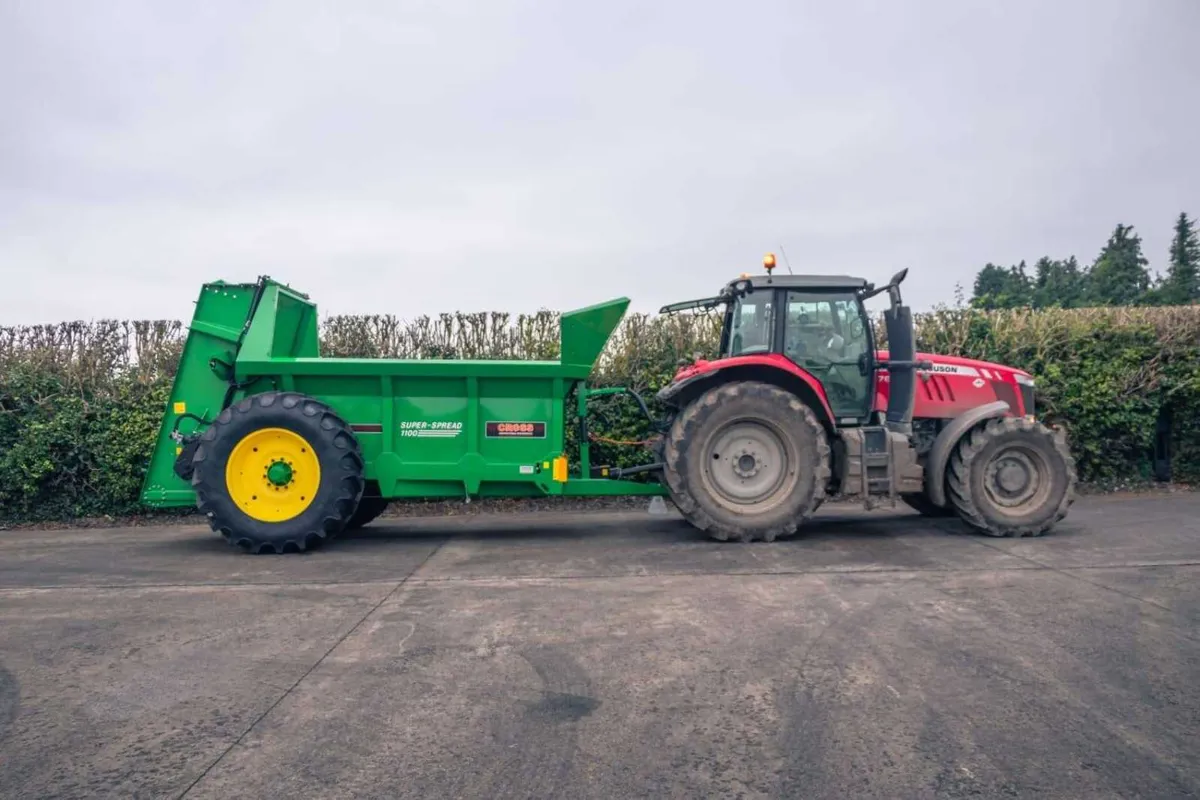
{"points": [[817, 362], [841, 390]]}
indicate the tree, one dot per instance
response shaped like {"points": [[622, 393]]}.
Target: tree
{"points": [[1020, 288], [998, 287], [1120, 277], [1182, 284], [1057, 283], [989, 286]]}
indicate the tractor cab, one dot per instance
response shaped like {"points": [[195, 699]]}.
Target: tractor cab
{"points": [[819, 325]]}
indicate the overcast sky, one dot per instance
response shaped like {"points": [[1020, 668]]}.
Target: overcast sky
{"points": [[414, 157]]}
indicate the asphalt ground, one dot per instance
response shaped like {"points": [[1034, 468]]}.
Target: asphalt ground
{"points": [[612, 655]]}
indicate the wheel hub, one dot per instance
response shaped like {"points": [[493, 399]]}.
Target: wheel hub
{"points": [[279, 474], [1012, 478], [747, 463], [272, 474]]}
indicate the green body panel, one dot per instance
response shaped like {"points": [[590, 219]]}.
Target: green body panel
{"points": [[586, 331], [217, 325], [428, 428]]}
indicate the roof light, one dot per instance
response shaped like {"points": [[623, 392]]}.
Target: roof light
{"points": [[769, 262]]}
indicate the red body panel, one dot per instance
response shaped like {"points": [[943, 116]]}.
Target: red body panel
{"points": [[772, 360], [953, 386]]}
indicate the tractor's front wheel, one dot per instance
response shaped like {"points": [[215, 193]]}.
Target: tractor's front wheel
{"points": [[747, 461], [278, 472], [1012, 477]]}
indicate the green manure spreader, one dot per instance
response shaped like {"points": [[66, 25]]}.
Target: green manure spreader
{"points": [[281, 448]]}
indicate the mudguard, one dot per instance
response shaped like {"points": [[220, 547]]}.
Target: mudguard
{"points": [[943, 446], [768, 368]]}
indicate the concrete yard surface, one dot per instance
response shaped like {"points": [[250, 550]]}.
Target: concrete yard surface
{"points": [[609, 655]]}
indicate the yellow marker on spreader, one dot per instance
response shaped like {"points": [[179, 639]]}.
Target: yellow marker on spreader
{"points": [[181, 408]]}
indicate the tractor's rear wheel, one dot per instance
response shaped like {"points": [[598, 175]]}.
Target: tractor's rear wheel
{"points": [[1012, 477], [278, 472], [926, 507], [747, 461]]}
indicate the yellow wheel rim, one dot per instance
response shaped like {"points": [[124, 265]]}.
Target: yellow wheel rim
{"points": [[273, 474]]}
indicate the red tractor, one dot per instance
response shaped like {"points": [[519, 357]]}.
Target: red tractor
{"points": [[800, 406]]}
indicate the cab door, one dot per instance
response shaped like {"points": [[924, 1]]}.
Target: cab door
{"points": [[826, 333]]}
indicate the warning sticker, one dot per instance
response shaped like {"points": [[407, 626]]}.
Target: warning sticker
{"points": [[516, 430]]}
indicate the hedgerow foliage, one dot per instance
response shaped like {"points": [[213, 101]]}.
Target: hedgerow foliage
{"points": [[80, 403]]}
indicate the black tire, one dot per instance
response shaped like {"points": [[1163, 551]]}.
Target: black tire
{"points": [[369, 507], [337, 452], [785, 424], [1012, 477], [926, 507]]}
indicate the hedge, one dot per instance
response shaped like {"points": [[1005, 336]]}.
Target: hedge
{"points": [[80, 402]]}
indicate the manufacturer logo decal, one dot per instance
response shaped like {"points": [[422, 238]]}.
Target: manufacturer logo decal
{"points": [[424, 429], [953, 369], [516, 430], [978, 383]]}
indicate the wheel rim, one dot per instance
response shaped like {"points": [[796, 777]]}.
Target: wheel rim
{"points": [[273, 474], [748, 463], [1016, 479]]}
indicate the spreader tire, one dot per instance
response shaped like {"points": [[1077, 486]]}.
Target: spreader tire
{"points": [[278, 472], [926, 507], [1012, 477], [747, 461]]}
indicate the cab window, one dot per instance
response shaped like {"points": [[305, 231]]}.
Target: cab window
{"points": [[751, 324], [826, 333]]}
